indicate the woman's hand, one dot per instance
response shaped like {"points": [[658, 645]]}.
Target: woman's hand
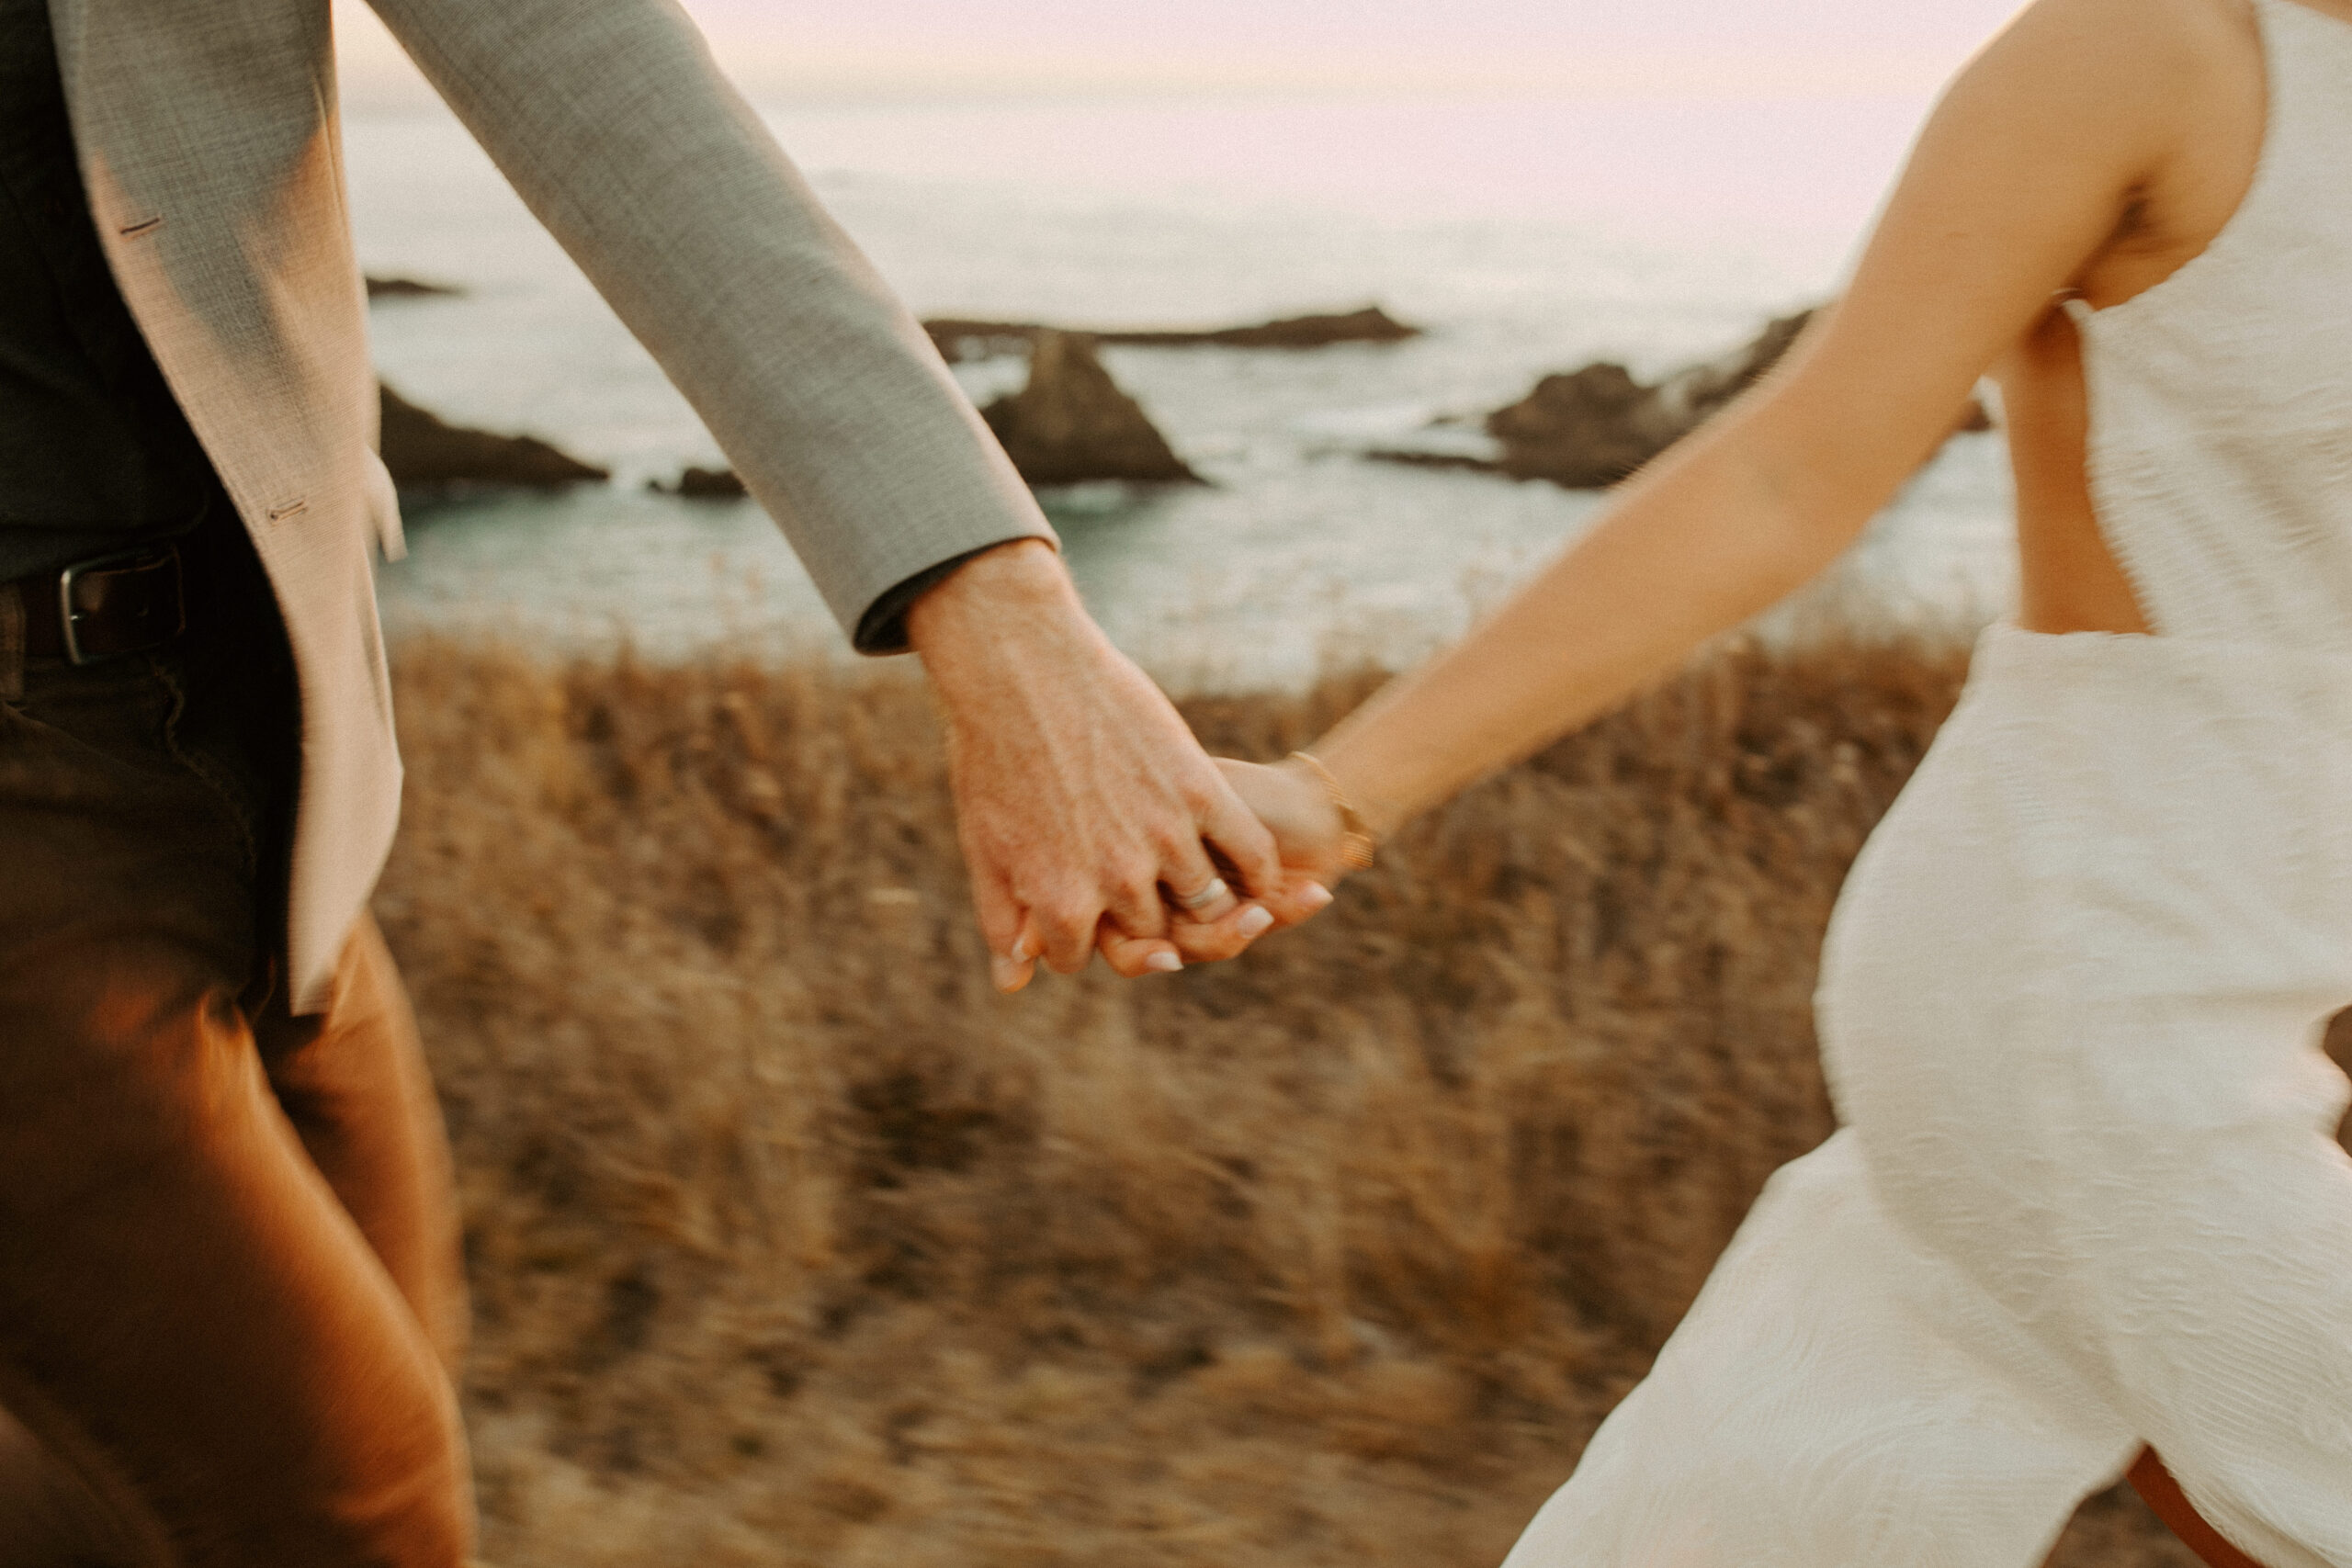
{"points": [[1295, 807]]}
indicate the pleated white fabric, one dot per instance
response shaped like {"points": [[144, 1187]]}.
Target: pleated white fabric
{"points": [[2085, 1194]]}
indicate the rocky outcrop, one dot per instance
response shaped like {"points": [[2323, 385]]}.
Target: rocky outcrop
{"points": [[1071, 423], [1591, 428], [1588, 429], [1370, 324], [961, 339], [408, 288], [424, 451], [703, 484], [1424, 458]]}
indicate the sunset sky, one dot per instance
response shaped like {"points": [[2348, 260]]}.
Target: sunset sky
{"points": [[1588, 47]]}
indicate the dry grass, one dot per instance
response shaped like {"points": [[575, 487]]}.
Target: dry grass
{"points": [[795, 1245]]}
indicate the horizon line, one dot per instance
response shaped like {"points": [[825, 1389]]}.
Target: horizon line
{"points": [[375, 77]]}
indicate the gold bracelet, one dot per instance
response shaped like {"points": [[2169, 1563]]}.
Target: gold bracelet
{"points": [[1357, 842]]}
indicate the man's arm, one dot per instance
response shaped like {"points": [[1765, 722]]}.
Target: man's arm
{"points": [[1079, 790], [615, 127]]}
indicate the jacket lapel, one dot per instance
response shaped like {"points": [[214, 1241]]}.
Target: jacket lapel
{"points": [[209, 142]]}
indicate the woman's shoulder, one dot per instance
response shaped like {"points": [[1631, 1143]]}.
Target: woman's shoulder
{"points": [[2157, 105], [2133, 35], [2209, 28], [2143, 72]]}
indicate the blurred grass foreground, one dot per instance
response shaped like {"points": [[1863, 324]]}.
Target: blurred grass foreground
{"points": [[793, 1243]]}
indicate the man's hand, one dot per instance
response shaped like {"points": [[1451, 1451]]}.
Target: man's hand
{"points": [[1083, 804]]}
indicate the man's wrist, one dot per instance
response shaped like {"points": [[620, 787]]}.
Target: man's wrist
{"points": [[990, 594]]}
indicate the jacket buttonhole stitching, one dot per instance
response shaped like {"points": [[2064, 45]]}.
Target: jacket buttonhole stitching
{"points": [[291, 509], [145, 226]]}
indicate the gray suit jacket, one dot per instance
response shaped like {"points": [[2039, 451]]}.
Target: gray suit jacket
{"points": [[211, 143]]}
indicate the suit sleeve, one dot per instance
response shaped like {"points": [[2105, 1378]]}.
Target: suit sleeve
{"points": [[619, 132]]}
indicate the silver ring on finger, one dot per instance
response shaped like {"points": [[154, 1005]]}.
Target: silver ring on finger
{"points": [[1196, 902]]}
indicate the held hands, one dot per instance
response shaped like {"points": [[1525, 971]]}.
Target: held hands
{"points": [[1296, 805], [1089, 815]]}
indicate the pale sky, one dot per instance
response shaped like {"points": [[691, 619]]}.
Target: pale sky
{"points": [[1586, 48]]}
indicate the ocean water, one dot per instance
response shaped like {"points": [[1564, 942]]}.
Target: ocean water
{"points": [[1527, 236]]}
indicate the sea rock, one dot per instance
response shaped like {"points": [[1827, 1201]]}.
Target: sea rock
{"points": [[1584, 430], [1591, 428], [961, 339], [1370, 324], [703, 484], [1071, 423], [407, 289], [422, 450], [1424, 457]]}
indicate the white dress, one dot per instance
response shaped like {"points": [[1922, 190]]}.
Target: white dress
{"points": [[2085, 1194]]}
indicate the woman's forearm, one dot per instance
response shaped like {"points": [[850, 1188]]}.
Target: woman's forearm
{"points": [[1706, 541], [1985, 230]]}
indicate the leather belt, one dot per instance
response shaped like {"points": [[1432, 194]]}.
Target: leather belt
{"points": [[104, 607]]}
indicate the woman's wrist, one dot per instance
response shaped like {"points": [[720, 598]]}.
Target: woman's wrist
{"points": [[1355, 834], [1385, 790]]}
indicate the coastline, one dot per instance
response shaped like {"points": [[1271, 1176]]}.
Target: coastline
{"points": [[1527, 238]]}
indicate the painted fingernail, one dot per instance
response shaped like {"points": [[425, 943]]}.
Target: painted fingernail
{"points": [[1005, 973], [1164, 962], [1256, 921], [1023, 949], [1314, 896]]}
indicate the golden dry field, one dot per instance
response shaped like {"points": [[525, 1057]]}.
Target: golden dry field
{"points": [[795, 1244]]}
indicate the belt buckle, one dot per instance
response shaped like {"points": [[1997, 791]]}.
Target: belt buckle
{"points": [[67, 615]]}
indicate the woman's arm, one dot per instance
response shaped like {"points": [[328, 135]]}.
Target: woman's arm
{"points": [[2024, 174]]}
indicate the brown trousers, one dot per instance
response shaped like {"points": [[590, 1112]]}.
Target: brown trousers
{"points": [[231, 1297]]}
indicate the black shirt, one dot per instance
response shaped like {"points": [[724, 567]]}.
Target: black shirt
{"points": [[95, 454]]}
